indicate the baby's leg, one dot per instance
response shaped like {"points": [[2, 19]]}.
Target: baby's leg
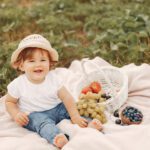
{"points": [[60, 140], [96, 124], [46, 128]]}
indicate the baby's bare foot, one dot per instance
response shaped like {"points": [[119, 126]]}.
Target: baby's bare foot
{"points": [[60, 140], [96, 124]]}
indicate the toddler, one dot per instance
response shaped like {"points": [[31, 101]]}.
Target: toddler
{"points": [[37, 99]]}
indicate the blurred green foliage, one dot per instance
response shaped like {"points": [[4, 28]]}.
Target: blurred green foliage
{"points": [[116, 30]]}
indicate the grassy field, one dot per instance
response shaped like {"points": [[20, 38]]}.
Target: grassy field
{"points": [[116, 30]]}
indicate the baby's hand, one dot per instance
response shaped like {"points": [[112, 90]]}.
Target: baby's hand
{"points": [[21, 118], [82, 122]]}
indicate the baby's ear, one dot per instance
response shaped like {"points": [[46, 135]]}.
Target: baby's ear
{"points": [[20, 67]]}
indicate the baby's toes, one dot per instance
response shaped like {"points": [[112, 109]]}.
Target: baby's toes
{"points": [[96, 124], [60, 140]]}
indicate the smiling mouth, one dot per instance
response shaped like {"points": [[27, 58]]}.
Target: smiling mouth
{"points": [[38, 71]]}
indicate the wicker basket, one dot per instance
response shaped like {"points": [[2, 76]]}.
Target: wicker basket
{"points": [[113, 81]]}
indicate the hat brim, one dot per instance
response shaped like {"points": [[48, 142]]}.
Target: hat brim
{"points": [[53, 53]]}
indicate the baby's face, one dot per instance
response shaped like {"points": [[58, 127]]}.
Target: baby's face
{"points": [[36, 67]]}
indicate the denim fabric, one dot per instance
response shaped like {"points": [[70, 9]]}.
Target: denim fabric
{"points": [[44, 123]]}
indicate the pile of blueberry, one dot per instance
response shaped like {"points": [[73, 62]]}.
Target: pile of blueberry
{"points": [[133, 114], [129, 115]]}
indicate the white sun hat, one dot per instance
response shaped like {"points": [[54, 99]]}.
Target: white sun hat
{"points": [[34, 40]]}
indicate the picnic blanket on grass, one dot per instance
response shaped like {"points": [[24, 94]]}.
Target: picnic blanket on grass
{"points": [[114, 137]]}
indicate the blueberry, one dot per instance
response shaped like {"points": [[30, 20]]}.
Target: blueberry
{"points": [[116, 113], [140, 116], [128, 114], [108, 96], [135, 111], [130, 110], [118, 121], [136, 118], [103, 95], [131, 114]]}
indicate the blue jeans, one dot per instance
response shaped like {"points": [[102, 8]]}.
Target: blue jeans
{"points": [[44, 122]]}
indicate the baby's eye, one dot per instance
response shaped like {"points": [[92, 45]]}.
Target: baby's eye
{"points": [[43, 59], [31, 61]]}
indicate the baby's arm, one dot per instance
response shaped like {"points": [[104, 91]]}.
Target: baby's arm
{"points": [[11, 105], [70, 105]]}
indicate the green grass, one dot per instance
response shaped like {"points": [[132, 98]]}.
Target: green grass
{"points": [[116, 30]]}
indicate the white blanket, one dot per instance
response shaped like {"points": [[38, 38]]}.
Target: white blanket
{"points": [[115, 137]]}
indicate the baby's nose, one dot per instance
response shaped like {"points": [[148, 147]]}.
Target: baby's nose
{"points": [[38, 64]]}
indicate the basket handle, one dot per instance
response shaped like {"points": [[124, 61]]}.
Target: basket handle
{"points": [[83, 62]]}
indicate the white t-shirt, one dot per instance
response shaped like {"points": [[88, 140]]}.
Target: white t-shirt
{"points": [[36, 97]]}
